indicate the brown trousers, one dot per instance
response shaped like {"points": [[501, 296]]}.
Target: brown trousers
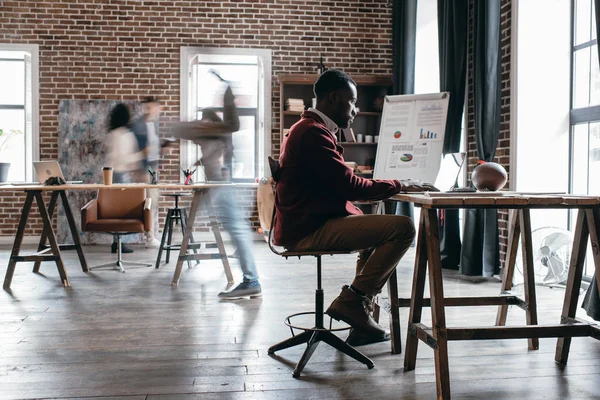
{"points": [[381, 240]]}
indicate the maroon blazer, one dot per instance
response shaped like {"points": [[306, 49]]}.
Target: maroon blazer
{"points": [[315, 185]]}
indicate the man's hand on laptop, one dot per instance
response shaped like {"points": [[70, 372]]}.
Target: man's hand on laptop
{"points": [[411, 186]]}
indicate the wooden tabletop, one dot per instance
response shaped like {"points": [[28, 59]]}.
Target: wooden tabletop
{"points": [[123, 186], [498, 200]]}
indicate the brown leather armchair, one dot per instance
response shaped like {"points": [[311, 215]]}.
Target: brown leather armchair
{"points": [[118, 212]]}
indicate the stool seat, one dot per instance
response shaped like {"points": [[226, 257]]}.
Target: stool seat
{"points": [[312, 253], [175, 214], [178, 194]]}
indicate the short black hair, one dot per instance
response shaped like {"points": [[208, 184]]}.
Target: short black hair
{"points": [[119, 116], [330, 81], [150, 99]]}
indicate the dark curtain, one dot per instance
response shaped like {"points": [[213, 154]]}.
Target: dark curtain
{"points": [[404, 34], [591, 302], [481, 239], [452, 33]]}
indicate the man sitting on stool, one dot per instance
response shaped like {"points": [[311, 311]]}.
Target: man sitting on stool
{"points": [[314, 212]]}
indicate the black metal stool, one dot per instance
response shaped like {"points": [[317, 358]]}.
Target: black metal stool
{"points": [[176, 215]]}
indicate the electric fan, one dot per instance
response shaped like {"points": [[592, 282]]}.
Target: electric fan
{"points": [[551, 256]]}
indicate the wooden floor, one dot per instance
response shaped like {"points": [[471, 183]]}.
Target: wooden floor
{"points": [[133, 336]]}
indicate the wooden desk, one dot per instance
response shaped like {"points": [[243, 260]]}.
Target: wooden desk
{"points": [[52, 252], [428, 253]]}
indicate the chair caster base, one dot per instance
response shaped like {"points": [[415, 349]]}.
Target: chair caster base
{"points": [[312, 340]]}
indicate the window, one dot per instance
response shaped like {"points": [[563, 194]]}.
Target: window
{"points": [[585, 106], [249, 72], [427, 75], [18, 109]]}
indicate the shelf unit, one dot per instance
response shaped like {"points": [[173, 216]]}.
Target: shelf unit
{"points": [[366, 122]]}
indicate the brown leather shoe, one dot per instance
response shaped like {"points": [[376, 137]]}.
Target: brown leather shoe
{"points": [[353, 309], [360, 338]]}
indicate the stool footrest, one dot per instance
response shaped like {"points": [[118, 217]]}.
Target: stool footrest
{"points": [[288, 322]]}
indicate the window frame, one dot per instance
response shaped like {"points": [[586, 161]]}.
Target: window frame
{"points": [[580, 115], [33, 50], [263, 123]]}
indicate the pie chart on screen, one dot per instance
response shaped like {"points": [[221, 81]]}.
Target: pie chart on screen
{"points": [[397, 135], [406, 157]]}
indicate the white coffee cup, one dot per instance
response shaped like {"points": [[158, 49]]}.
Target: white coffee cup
{"points": [[376, 138], [359, 138], [369, 139]]}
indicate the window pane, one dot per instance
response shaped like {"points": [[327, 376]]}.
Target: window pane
{"points": [[594, 163], [243, 79], [594, 22], [594, 180], [581, 78], [12, 54], [427, 71], [580, 155], [12, 82], [595, 77], [244, 149], [583, 18], [12, 142]]}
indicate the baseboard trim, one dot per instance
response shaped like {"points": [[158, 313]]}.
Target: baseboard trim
{"points": [[26, 240]]}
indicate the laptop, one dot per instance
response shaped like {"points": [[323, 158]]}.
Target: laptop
{"points": [[450, 169], [49, 169]]}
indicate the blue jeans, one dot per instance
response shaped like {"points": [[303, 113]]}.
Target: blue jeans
{"points": [[227, 210]]}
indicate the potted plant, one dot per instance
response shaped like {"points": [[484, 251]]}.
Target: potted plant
{"points": [[5, 136]]}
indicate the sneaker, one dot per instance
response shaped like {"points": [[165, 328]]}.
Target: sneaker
{"points": [[124, 249], [153, 244], [245, 289]]}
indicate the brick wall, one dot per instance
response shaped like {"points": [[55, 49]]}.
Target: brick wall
{"points": [[503, 150], [128, 49]]}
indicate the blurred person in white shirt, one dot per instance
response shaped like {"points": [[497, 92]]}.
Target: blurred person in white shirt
{"points": [[123, 153]]}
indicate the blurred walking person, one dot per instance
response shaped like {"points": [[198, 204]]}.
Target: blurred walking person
{"points": [[145, 129], [214, 136]]}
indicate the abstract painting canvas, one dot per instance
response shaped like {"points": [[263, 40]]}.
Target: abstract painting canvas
{"points": [[82, 132]]}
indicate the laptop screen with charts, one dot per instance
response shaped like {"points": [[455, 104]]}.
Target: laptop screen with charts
{"points": [[49, 169]]}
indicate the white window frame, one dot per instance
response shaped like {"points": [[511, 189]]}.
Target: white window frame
{"points": [[264, 137], [34, 50]]}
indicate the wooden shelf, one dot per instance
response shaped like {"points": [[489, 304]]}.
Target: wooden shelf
{"points": [[310, 79], [370, 90]]}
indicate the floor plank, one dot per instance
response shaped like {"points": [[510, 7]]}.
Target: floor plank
{"points": [[133, 336]]}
